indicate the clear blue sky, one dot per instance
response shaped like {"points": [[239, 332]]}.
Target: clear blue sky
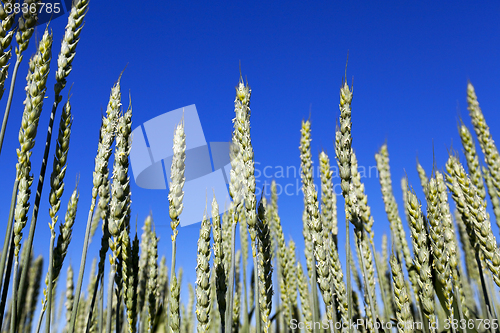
{"points": [[410, 62]]}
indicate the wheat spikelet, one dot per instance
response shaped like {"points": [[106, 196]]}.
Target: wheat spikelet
{"points": [[265, 269], [401, 298], [203, 274], [391, 207], [174, 318], [440, 253], [474, 215], [343, 138], [162, 280], [69, 297], [304, 296], [491, 155], [177, 179], [422, 257], [282, 257], [384, 273], [143, 262], [311, 199], [35, 277], [328, 198], [68, 44], [307, 230], [422, 175], [493, 194], [35, 92], [450, 239], [107, 135], [306, 175], [6, 35], [219, 259], [65, 232], [292, 281], [25, 28], [472, 160], [151, 287], [340, 288]]}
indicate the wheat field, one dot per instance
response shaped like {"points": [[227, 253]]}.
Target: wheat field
{"points": [[443, 276]]}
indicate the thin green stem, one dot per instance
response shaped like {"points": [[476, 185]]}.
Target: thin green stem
{"points": [[229, 296], [9, 101], [256, 293], [348, 271], [9, 239], [49, 286], [101, 302], [40, 319], [486, 295], [245, 301], [13, 319], [111, 282], [93, 301], [172, 265], [314, 294], [82, 269], [7, 280]]}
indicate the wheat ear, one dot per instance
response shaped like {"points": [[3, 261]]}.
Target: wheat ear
{"points": [[203, 273], [422, 258], [176, 193], [441, 262], [25, 29], [328, 198], [305, 299], [343, 143], [474, 215], [219, 259], [35, 92], [119, 206], [309, 232], [107, 135], [401, 298], [264, 267], [490, 150], [174, 318], [6, 35]]}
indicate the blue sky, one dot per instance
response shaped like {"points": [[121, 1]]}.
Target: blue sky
{"points": [[410, 62]]}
